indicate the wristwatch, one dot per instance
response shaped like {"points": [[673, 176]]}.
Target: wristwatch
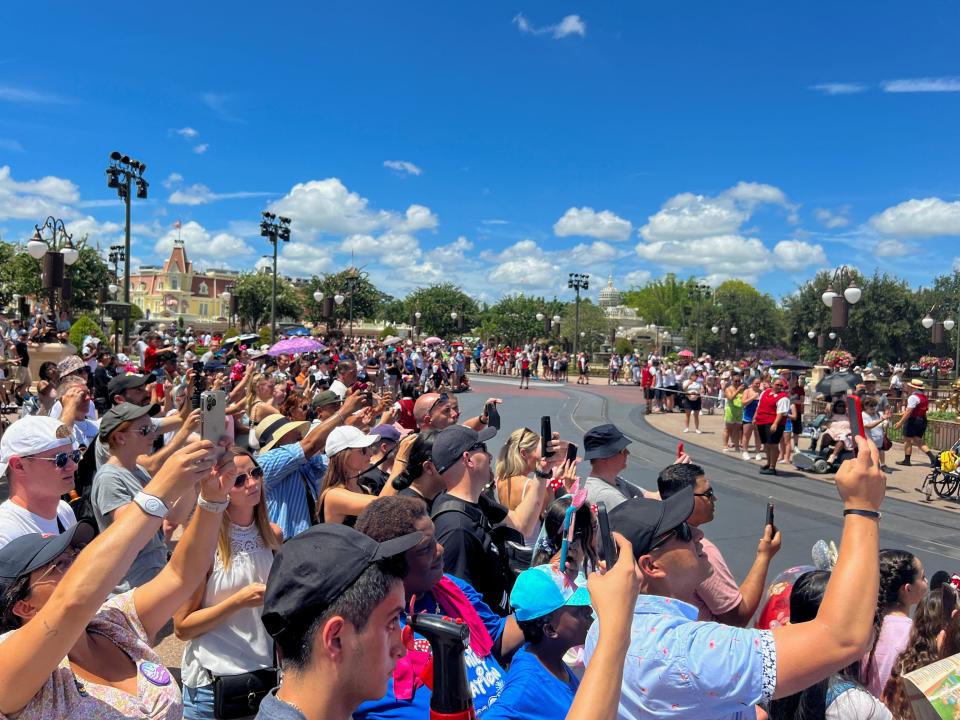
{"points": [[210, 506], [151, 504]]}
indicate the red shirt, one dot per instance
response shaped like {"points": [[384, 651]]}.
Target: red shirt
{"points": [[767, 407], [150, 359]]}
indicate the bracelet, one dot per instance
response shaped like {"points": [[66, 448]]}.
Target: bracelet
{"points": [[543, 475], [210, 506], [865, 513]]}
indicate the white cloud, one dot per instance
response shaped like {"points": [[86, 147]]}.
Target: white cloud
{"points": [[187, 132], [892, 248], [303, 259], [839, 88], [494, 221], [393, 249], [403, 167], [201, 148], [751, 194], [833, 218], [200, 243], [636, 278], [198, 194], [929, 217], [591, 254], [726, 255], [10, 145], [33, 199], [690, 216], [25, 96], [796, 255], [569, 25], [172, 180], [603, 225], [95, 231], [927, 84], [417, 217]]}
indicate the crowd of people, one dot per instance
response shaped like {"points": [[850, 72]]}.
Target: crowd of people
{"points": [[345, 494]]}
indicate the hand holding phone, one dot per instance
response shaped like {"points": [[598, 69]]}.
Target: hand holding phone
{"points": [[854, 414], [571, 452], [546, 435], [608, 545], [770, 517], [492, 414], [679, 449]]}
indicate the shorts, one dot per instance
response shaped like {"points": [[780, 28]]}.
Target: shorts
{"points": [[525, 372], [914, 427], [692, 405], [768, 436], [798, 424], [648, 393], [198, 702]]}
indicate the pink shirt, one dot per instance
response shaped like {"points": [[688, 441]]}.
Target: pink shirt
{"points": [[894, 635], [719, 593], [64, 695]]}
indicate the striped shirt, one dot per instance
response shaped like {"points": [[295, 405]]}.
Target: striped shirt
{"points": [[287, 472]]}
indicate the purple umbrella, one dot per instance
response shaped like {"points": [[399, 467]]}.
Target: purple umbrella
{"points": [[433, 340], [295, 345]]}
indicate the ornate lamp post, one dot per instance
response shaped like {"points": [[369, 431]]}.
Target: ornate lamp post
{"points": [[56, 251], [839, 303], [577, 282]]}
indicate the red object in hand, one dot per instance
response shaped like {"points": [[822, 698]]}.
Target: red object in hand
{"points": [[679, 449]]}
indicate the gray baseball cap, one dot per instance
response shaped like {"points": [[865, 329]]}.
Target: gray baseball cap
{"points": [[119, 414]]}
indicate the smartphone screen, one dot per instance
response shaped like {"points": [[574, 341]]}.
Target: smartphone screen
{"points": [[571, 452], [855, 416], [608, 546], [493, 415], [546, 435]]}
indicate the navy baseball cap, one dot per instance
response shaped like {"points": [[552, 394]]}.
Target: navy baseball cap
{"points": [[30, 552], [642, 520]]}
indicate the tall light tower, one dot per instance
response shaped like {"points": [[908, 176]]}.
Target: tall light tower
{"points": [[122, 174], [275, 229], [577, 282]]}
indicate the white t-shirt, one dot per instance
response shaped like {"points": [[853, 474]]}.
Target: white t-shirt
{"points": [[57, 410], [16, 521], [913, 401], [783, 405]]}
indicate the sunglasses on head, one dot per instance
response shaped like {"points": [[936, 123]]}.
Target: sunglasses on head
{"points": [[681, 531], [241, 479], [61, 459], [442, 399]]}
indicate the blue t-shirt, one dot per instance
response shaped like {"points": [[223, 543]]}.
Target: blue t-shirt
{"points": [[484, 675], [533, 692]]}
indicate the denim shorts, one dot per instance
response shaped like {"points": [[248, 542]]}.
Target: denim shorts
{"points": [[198, 703]]}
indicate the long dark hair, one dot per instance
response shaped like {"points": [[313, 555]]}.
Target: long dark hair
{"points": [[897, 568], [810, 704], [553, 534], [419, 454]]}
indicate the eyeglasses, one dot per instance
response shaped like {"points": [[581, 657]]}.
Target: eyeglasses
{"points": [[144, 430], [60, 459], [442, 399], [241, 479], [58, 566], [709, 494], [681, 531]]}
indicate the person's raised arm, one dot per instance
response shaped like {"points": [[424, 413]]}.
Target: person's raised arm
{"points": [[842, 629], [32, 652], [316, 439], [613, 596], [480, 421], [154, 461], [752, 588]]}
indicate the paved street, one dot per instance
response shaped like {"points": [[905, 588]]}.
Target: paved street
{"points": [[807, 509]]}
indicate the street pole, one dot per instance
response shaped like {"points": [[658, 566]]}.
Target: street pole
{"points": [[577, 282], [273, 298], [126, 262], [274, 229]]}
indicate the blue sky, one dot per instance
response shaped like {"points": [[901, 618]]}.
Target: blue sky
{"points": [[498, 146]]}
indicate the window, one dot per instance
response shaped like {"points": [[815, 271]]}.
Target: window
{"points": [[204, 309], [203, 288], [159, 284], [174, 284]]}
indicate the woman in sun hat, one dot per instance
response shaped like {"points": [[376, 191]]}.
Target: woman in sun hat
{"points": [[342, 498]]}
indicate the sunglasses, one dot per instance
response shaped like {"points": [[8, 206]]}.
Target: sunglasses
{"points": [[241, 479], [442, 399], [145, 430], [481, 446], [60, 459], [709, 494], [681, 531]]}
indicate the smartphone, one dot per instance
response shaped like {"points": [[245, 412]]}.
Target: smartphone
{"points": [[855, 416], [198, 368], [493, 415], [608, 546], [546, 435], [679, 449], [770, 516], [213, 423], [571, 452]]}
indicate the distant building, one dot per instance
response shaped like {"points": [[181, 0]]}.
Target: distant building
{"points": [[176, 290], [635, 328]]}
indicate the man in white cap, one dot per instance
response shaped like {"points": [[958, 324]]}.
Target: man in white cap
{"points": [[38, 457]]}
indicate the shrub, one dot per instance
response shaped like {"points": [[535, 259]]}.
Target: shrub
{"points": [[83, 326], [387, 332]]}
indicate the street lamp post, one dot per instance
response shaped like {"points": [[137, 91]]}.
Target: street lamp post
{"points": [[338, 299], [416, 316], [122, 174], [577, 282], [839, 303], [275, 229], [702, 290], [936, 328], [352, 279], [231, 300], [733, 334], [56, 252], [556, 325]]}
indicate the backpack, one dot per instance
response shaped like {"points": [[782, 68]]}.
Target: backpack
{"points": [[79, 500]]}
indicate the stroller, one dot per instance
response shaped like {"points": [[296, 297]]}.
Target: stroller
{"points": [[814, 459], [944, 480]]}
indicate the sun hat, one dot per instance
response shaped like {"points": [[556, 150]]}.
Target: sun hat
{"points": [[540, 590], [917, 383], [32, 435], [603, 441], [71, 364], [347, 436], [273, 427], [316, 567]]}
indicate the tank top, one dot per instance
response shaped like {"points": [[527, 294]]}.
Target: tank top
{"points": [[733, 410], [749, 409], [239, 644]]}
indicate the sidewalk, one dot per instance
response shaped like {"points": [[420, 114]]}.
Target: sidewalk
{"points": [[901, 482]]}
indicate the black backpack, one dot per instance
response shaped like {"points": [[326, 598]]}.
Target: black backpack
{"points": [[82, 505]]}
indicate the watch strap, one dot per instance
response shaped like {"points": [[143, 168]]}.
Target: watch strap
{"points": [[151, 504], [210, 506]]}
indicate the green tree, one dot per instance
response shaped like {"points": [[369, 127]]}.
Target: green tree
{"points": [[435, 303], [83, 326], [513, 318], [595, 326], [738, 304], [254, 290]]}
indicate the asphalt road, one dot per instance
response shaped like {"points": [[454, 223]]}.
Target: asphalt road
{"points": [[806, 510]]}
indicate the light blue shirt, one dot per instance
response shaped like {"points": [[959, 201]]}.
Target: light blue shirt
{"points": [[678, 668], [287, 477]]}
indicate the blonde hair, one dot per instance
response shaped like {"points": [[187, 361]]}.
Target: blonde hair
{"points": [[260, 519], [511, 461], [251, 397]]}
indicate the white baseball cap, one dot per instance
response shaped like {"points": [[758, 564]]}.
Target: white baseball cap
{"points": [[347, 436], [32, 435]]}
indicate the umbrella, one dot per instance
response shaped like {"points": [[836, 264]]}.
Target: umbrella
{"points": [[294, 345], [685, 353], [392, 340], [838, 383], [791, 365], [456, 344], [433, 340]]}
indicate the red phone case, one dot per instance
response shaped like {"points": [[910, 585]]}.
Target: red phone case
{"points": [[854, 411]]}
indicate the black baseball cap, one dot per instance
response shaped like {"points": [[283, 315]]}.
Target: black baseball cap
{"points": [[603, 441], [642, 520], [30, 552], [451, 443], [119, 414], [121, 383], [316, 567]]}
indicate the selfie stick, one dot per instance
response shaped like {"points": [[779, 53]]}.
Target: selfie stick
{"points": [[451, 699]]}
